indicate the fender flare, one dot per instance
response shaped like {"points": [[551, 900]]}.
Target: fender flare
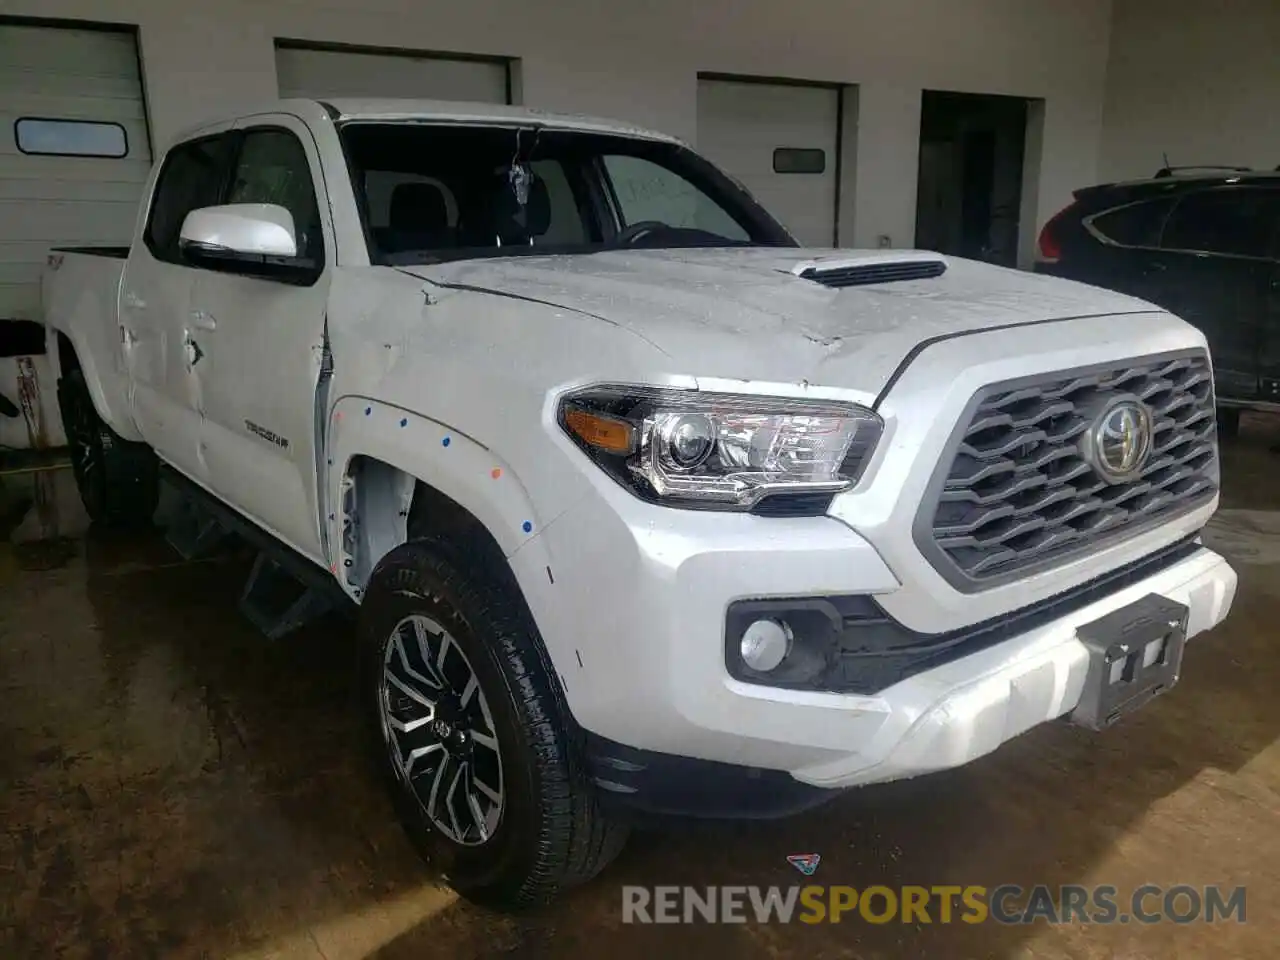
{"points": [[431, 452]]}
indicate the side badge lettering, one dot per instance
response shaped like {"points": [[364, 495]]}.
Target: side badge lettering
{"points": [[267, 435]]}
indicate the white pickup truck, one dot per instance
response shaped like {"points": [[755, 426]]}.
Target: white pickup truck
{"points": [[644, 508]]}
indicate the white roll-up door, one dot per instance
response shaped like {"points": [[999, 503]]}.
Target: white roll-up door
{"points": [[780, 141], [321, 73], [74, 149]]}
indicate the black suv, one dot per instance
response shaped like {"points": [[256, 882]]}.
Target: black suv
{"points": [[1205, 246]]}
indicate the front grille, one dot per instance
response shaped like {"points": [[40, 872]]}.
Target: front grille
{"points": [[1020, 492]]}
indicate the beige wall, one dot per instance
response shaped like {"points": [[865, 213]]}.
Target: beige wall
{"points": [[1193, 78], [639, 60]]}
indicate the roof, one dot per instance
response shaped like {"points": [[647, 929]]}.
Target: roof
{"points": [[425, 111], [1177, 183], [450, 111]]}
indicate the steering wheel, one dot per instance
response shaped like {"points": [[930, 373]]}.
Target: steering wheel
{"points": [[637, 230]]}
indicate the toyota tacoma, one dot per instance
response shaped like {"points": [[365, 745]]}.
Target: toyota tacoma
{"points": [[642, 508]]}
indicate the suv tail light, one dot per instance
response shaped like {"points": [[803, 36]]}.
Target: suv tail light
{"points": [[1050, 236]]}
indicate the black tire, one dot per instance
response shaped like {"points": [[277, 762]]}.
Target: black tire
{"points": [[118, 480], [1229, 422], [550, 833]]}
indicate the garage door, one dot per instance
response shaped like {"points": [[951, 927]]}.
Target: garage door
{"points": [[780, 141], [74, 149], [321, 73]]}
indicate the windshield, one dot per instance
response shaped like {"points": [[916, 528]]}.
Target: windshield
{"points": [[434, 192]]}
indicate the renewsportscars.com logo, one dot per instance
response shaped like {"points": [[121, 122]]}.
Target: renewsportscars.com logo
{"points": [[1006, 904]]}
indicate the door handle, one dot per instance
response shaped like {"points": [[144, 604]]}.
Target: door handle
{"points": [[203, 320], [1157, 266], [193, 352], [133, 301]]}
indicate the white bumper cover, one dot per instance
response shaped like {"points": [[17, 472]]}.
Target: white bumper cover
{"points": [[961, 710], [634, 611]]}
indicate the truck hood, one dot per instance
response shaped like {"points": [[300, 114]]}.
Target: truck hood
{"points": [[745, 313]]}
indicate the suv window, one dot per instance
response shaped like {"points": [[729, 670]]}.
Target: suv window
{"points": [[1136, 224], [272, 168], [1238, 221], [192, 177]]}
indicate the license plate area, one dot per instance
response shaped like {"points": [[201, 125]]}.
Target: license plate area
{"points": [[1135, 654]]}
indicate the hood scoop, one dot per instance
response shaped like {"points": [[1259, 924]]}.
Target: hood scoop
{"points": [[871, 269]]}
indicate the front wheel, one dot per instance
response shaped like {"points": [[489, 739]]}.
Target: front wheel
{"points": [[472, 734]]}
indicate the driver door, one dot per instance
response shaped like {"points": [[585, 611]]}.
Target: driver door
{"points": [[259, 345]]}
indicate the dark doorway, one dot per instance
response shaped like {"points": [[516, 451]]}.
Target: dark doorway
{"points": [[969, 199]]}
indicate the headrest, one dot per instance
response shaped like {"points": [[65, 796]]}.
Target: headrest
{"points": [[418, 206]]}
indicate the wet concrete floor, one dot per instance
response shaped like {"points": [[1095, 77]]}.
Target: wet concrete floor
{"points": [[171, 785]]}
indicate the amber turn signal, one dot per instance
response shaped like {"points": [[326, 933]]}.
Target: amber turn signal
{"points": [[603, 433]]}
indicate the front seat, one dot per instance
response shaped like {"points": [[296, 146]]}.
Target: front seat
{"points": [[419, 220]]}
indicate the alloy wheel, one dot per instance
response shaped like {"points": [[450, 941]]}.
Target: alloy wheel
{"points": [[439, 731]]}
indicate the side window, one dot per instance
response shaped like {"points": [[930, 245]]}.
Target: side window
{"points": [[1236, 221], [272, 168], [1134, 225], [648, 191], [191, 177]]}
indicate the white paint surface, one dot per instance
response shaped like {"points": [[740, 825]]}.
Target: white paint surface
{"points": [[741, 124], [1200, 81]]}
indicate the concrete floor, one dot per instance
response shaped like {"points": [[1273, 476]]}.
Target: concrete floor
{"points": [[171, 785]]}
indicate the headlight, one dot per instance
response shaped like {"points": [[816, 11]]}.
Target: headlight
{"points": [[720, 451]]}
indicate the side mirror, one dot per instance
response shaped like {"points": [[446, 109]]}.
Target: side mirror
{"points": [[250, 230], [256, 239]]}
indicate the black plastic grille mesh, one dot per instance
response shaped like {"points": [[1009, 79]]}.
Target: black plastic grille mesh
{"points": [[1021, 492]]}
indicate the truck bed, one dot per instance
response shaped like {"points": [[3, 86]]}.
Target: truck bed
{"points": [[80, 293]]}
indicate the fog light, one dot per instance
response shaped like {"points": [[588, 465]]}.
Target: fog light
{"points": [[765, 644]]}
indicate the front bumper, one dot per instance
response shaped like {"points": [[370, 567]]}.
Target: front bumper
{"points": [[962, 710], [634, 619]]}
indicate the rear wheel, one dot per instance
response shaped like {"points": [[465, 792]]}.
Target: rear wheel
{"points": [[472, 733], [118, 480]]}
